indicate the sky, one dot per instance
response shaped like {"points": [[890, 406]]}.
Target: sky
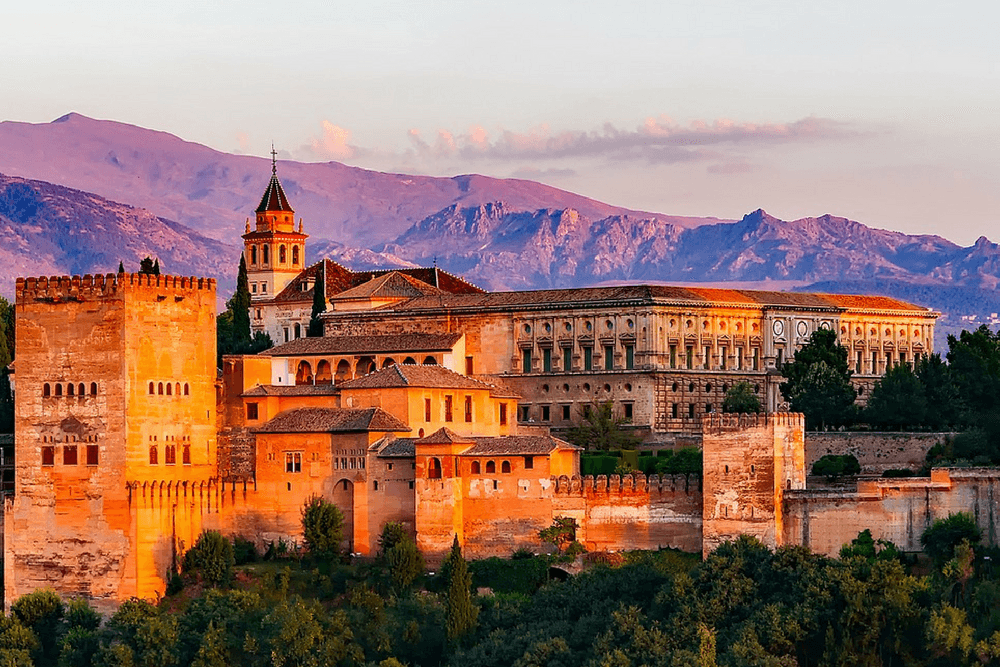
{"points": [[885, 112]]}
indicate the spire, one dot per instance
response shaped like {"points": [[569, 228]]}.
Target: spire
{"points": [[274, 160], [274, 197]]}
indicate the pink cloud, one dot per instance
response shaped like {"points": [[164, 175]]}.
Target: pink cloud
{"points": [[333, 143]]}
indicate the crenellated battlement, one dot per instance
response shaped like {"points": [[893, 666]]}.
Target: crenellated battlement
{"points": [[102, 286], [715, 423], [621, 484]]}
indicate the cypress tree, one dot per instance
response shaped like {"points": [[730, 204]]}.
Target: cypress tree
{"points": [[156, 267], [240, 305], [6, 353], [319, 304], [6, 398], [121, 267], [462, 614]]}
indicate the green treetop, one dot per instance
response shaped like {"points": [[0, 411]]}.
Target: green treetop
{"points": [[818, 381]]}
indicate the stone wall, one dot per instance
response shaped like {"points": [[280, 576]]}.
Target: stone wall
{"points": [[876, 452], [898, 510]]}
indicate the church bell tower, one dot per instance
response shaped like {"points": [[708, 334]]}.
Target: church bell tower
{"points": [[274, 251]]}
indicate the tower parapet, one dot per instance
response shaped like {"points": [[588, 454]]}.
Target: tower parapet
{"points": [[54, 289]]}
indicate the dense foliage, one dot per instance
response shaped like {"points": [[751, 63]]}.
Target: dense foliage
{"points": [[602, 429], [818, 382], [834, 465], [322, 527], [740, 398]]}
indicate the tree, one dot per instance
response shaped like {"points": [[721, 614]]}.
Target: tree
{"points": [[461, 614], [121, 267], [560, 533], [322, 527], [818, 381], [212, 556], [240, 307], [405, 563], [148, 267], [833, 466], [42, 612], [319, 303], [392, 534], [898, 400], [974, 358], [156, 267], [941, 538], [740, 398], [943, 403], [601, 429], [9, 323]]}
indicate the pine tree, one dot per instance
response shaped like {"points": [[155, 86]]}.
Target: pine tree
{"points": [[462, 614], [240, 305], [319, 304]]}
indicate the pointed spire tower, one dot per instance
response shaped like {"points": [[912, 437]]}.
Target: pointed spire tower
{"points": [[275, 252]]}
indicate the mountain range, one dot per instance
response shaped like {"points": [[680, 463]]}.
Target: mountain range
{"points": [[81, 194]]}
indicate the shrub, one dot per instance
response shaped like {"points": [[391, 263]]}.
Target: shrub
{"points": [[392, 534], [322, 527], [833, 466], [405, 563], [941, 538], [898, 472], [683, 462], [212, 557], [244, 550]]}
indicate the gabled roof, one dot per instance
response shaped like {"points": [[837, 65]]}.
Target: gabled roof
{"points": [[392, 447], [291, 390], [274, 198], [445, 436], [407, 375], [416, 342], [516, 445], [431, 275], [333, 420], [392, 285]]}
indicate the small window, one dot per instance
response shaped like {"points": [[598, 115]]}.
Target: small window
{"points": [[468, 408], [427, 409], [526, 360], [58, 389], [159, 389], [434, 468], [505, 467], [476, 468], [170, 389], [293, 462], [252, 412], [48, 456], [529, 462], [375, 485], [69, 455], [70, 389], [411, 484], [503, 414], [46, 390], [565, 412], [92, 455], [546, 413], [93, 389], [628, 411], [187, 389], [447, 408], [170, 455], [469, 366], [526, 413], [609, 357], [690, 410], [629, 357], [491, 468], [153, 456], [186, 455], [152, 388]]}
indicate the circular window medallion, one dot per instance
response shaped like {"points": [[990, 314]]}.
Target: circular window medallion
{"points": [[778, 327], [802, 328]]}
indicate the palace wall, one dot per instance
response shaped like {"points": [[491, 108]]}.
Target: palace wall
{"points": [[876, 452]]}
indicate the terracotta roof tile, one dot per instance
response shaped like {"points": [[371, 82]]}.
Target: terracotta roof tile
{"points": [[415, 342], [292, 390], [333, 420], [516, 445], [394, 285], [445, 436], [406, 375], [862, 302], [274, 198], [393, 447]]}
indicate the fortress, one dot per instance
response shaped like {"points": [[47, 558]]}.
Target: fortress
{"points": [[428, 402]]}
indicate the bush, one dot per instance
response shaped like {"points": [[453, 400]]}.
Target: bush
{"points": [[212, 557], [647, 464], [898, 472], [941, 538], [598, 465], [524, 575], [244, 550], [405, 563], [322, 527], [832, 466], [392, 534], [682, 462]]}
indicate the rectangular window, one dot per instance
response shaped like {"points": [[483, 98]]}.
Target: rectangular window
{"points": [[609, 357], [689, 356], [503, 414], [722, 358], [286, 334], [673, 411], [427, 409], [48, 456], [781, 356], [252, 413], [630, 357], [707, 358], [546, 414], [186, 455], [92, 455], [628, 411], [526, 360], [858, 362], [253, 288], [547, 360], [263, 288], [874, 362], [468, 408], [756, 359], [468, 366], [902, 357], [447, 408], [588, 358], [170, 455], [673, 356], [690, 410], [529, 462], [293, 462], [525, 413], [567, 359], [69, 455], [565, 412], [739, 358], [888, 360]]}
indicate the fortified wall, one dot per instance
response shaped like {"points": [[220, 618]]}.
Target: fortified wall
{"points": [[876, 452]]}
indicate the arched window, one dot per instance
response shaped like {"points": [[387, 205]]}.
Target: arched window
{"points": [[58, 389], [323, 373], [170, 389], [295, 255], [70, 389], [159, 389], [281, 254], [491, 467], [343, 371], [389, 361], [82, 391], [186, 455], [430, 361], [152, 389], [153, 457], [505, 467], [409, 361], [298, 330], [253, 255], [265, 254], [434, 469], [476, 469], [304, 373], [46, 390], [187, 389], [93, 389]]}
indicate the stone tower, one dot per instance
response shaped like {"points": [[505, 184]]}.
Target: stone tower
{"points": [[275, 252], [115, 432]]}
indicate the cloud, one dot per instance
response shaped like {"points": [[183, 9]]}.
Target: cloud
{"points": [[333, 143], [731, 168], [536, 174], [243, 143]]}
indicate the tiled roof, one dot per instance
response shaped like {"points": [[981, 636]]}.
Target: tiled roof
{"points": [[274, 198], [431, 275], [646, 294], [406, 375], [393, 447], [333, 420], [392, 285], [445, 436], [292, 390], [416, 342], [515, 445]]}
